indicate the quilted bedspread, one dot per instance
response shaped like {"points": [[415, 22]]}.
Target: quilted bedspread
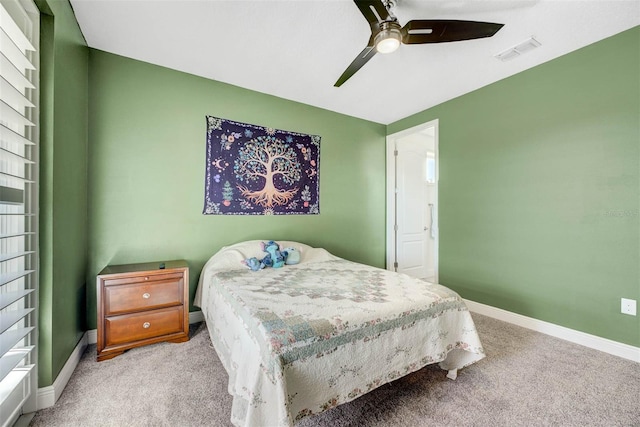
{"points": [[304, 338]]}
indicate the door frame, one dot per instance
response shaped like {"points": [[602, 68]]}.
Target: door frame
{"points": [[391, 193]]}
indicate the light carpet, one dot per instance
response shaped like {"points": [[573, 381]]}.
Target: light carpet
{"points": [[527, 379]]}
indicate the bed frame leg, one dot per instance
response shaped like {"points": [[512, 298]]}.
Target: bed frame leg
{"points": [[453, 374]]}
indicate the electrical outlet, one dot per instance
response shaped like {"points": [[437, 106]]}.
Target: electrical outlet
{"points": [[628, 306]]}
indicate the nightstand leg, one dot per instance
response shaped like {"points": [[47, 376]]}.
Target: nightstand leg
{"points": [[108, 356], [177, 340]]}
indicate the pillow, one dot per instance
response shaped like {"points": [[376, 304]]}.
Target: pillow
{"points": [[231, 257]]}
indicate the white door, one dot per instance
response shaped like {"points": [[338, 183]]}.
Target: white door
{"points": [[412, 202], [411, 209]]}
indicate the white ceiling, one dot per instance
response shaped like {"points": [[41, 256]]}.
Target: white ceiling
{"points": [[298, 49]]}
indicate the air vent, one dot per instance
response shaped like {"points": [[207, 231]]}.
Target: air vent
{"points": [[518, 50]]}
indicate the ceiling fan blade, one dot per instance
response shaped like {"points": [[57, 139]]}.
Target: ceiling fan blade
{"points": [[357, 63], [437, 31], [372, 10]]}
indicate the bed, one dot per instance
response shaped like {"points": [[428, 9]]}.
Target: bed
{"points": [[301, 339]]}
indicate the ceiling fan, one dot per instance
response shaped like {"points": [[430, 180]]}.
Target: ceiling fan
{"points": [[387, 33]]}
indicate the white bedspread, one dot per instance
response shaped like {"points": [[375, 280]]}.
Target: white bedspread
{"points": [[301, 339]]}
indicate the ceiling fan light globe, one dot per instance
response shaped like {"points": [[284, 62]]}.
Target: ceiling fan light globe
{"points": [[387, 45], [388, 40]]}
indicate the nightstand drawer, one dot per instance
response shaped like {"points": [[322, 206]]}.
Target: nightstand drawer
{"points": [[142, 277], [143, 296], [139, 326]]}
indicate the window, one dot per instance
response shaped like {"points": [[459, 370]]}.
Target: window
{"points": [[431, 167], [19, 33]]}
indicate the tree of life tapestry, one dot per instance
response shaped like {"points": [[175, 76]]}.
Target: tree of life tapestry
{"points": [[254, 170]]}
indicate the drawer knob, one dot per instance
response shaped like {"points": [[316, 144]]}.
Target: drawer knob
{"points": [[146, 325], [146, 295], [146, 278]]}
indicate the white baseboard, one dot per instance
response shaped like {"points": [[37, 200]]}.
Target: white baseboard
{"points": [[592, 341], [92, 336], [196, 317], [48, 396]]}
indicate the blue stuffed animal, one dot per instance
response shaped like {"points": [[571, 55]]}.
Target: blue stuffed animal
{"points": [[274, 257], [253, 264], [291, 256]]}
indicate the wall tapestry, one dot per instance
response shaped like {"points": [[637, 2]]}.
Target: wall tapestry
{"points": [[253, 170]]}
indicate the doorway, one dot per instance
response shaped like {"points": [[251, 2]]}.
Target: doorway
{"points": [[412, 201]]}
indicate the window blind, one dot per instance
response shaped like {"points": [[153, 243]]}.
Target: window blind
{"points": [[19, 32]]}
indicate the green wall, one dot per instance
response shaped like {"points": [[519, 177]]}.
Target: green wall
{"points": [[539, 189], [63, 188], [147, 162]]}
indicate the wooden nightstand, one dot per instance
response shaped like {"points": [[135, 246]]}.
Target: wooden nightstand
{"points": [[140, 304]]}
